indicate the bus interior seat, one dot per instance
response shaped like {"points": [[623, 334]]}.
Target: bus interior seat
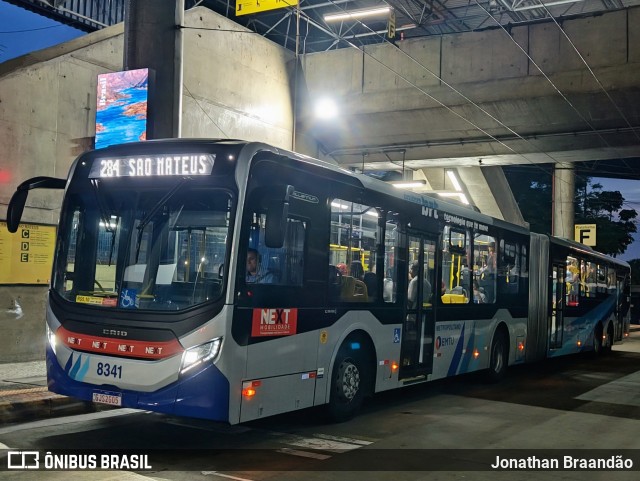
{"points": [[460, 290], [457, 295], [333, 281], [353, 290]]}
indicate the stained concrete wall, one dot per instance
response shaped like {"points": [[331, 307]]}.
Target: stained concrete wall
{"points": [[235, 86], [481, 58], [424, 95], [22, 330], [403, 103]]}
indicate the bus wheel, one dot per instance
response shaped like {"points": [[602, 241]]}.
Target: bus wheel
{"points": [[608, 347], [348, 383], [499, 358], [597, 341]]}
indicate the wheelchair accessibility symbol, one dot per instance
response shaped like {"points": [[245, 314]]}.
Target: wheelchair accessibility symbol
{"points": [[128, 298], [396, 335]]}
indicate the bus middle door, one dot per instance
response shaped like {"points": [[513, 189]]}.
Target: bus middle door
{"points": [[416, 352], [556, 317]]}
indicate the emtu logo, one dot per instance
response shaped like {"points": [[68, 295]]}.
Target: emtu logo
{"points": [[445, 341], [23, 460]]}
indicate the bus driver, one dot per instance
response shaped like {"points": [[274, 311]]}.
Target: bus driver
{"points": [[255, 275]]}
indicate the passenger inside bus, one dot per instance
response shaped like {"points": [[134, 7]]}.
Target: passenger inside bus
{"points": [[412, 294], [478, 293], [488, 273], [490, 267], [387, 287], [255, 273], [573, 281]]}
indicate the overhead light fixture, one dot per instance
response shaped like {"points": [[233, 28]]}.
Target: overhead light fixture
{"points": [[408, 184], [369, 12], [461, 197], [454, 180]]}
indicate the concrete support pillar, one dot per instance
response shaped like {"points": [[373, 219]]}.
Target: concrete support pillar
{"points": [[153, 39], [498, 192], [563, 200], [435, 177]]}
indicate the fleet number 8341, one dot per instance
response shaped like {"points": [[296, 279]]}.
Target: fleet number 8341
{"points": [[109, 370]]}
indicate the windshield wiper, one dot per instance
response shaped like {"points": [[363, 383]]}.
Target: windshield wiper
{"points": [[105, 216], [143, 223], [113, 238]]}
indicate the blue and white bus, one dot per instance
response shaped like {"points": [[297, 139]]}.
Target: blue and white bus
{"points": [[355, 287]]}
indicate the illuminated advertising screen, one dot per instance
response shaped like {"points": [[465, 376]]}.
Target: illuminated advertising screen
{"points": [[121, 113]]}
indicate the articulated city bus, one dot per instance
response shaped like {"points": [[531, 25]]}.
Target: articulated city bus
{"points": [[232, 281]]}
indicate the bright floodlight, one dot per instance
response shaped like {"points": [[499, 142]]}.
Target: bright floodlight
{"points": [[326, 109]]}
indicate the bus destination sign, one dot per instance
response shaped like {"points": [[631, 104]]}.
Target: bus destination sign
{"points": [[153, 166]]}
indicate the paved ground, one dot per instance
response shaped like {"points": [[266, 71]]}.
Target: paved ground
{"points": [[24, 395]]}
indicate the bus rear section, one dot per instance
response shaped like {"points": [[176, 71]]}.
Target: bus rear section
{"points": [[582, 301]]}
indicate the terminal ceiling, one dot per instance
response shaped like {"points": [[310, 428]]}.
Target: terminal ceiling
{"points": [[610, 146]]}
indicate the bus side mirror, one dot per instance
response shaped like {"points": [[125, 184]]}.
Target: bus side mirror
{"points": [[276, 221], [15, 209], [19, 198]]}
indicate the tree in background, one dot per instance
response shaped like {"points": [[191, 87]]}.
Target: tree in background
{"points": [[533, 187], [615, 225]]}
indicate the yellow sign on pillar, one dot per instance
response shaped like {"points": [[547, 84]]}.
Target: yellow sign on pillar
{"points": [[246, 7], [26, 257], [585, 234]]}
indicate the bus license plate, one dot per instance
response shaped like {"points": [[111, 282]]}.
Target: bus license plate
{"points": [[112, 399]]}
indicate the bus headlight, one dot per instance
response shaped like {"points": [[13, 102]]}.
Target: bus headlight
{"points": [[53, 340], [197, 355]]}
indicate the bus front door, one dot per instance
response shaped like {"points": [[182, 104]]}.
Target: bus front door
{"points": [[416, 353]]}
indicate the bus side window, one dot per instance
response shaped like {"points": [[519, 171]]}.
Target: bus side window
{"points": [[601, 279], [509, 268], [391, 242], [280, 266], [352, 252], [572, 275], [588, 275], [456, 275], [485, 266]]}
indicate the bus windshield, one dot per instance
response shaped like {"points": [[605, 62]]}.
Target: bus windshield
{"points": [[158, 248]]}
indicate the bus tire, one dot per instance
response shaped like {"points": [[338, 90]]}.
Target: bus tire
{"points": [[498, 357], [349, 382], [608, 347], [597, 341]]}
